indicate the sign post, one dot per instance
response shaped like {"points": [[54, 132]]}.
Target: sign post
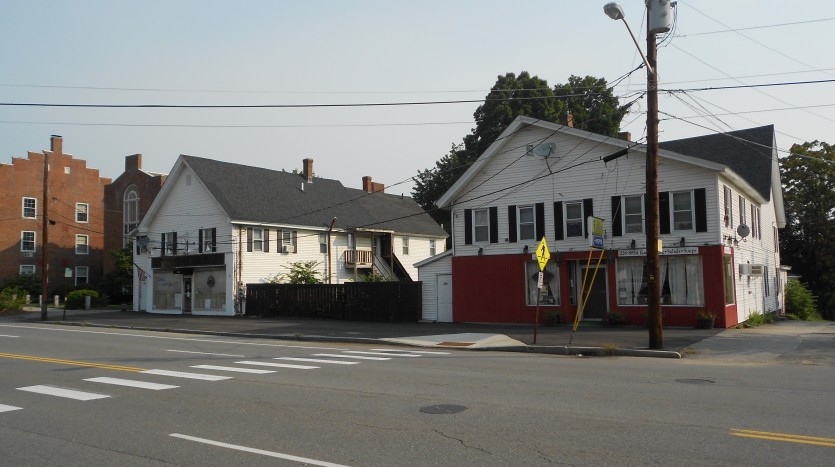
{"points": [[542, 257], [67, 277]]}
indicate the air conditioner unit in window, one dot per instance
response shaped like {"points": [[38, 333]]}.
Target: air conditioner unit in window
{"points": [[745, 269], [288, 249], [757, 269]]}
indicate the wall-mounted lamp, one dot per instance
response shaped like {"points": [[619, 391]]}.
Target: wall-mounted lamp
{"points": [[681, 242], [525, 250], [480, 251], [632, 244]]}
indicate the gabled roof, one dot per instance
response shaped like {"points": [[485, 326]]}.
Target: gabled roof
{"points": [[263, 196], [749, 153]]}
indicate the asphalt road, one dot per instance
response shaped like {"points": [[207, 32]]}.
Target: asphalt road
{"points": [[378, 405]]}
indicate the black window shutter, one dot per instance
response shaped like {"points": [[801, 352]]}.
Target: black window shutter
{"points": [[617, 217], [200, 241], [664, 211], [266, 240], [494, 225], [700, 200], [588, 210], [162, 244], [558, 225], [174, 242], [295, 237], [214, 239], [468, 227], [540, 220], [511, 222], [249, 240]]}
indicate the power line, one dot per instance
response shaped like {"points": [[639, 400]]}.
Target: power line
{"points": [[754, 27]]}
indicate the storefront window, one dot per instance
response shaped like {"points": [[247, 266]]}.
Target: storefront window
{"points": [[168, 291], [550, 292], [210, 289], [682, 280], [632, 284], [729, 280]]}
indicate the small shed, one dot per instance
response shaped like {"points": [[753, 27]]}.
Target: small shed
{"points": [[436, 275]]}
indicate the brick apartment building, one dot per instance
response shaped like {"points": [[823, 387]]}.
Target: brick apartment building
{"points": [[126, 201], [75, 213]]}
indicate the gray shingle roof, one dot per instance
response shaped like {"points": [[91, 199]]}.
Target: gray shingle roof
{"points": [[258, 195], [746, 152]]}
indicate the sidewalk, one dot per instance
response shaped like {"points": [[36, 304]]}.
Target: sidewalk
{"points": [[589, 339]]}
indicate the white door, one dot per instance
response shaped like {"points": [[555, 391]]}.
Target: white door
{"points": [[444, 284]]}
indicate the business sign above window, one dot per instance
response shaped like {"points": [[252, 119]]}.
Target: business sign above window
{"points": [[685, 250]]}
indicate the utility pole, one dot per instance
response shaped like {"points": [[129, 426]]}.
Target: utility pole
{"points": [[656, 339], [45, 237]]}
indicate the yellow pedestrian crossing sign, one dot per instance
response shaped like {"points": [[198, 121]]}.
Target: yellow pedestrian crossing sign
{"points": [[542, 254]]}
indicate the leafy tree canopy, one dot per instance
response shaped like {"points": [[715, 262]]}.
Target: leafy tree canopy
{"points": [[808, 241], [589, 100]]}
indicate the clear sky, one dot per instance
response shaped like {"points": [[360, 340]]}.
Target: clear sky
{"points": [[344, 52]]}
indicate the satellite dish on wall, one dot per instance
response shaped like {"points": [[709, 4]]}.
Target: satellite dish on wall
{"points": [[743, 230], [543, 150], [142, 243]]}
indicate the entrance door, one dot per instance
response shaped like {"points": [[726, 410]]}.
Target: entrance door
{"points": [[597, 305], [187, 295], [444, 282]]}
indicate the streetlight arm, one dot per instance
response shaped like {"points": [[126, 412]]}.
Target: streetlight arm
{"points": [[646, 62]]}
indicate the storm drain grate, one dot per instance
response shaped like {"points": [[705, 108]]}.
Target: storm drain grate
{"points": [[443, 409], [695, 381]]}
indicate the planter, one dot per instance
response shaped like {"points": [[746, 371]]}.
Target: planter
{"points": [[705, 323]]}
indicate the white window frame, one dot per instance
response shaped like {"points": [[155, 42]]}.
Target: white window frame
{"points": [[33, 208], [82, 244], [323, 243], [24, 241], [208, 245], [628, 227], [729, 207], [550, 293], [257, 239], [130, 212], [82, 213], [742, 218], [481, 225], [79, 274], [27, 269], [691, 222], [405, 245], [433, 248], [529, 225], [573, 221]]}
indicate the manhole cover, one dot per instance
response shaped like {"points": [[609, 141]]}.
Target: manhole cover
{"points": [[695, 381], [443, 409]]}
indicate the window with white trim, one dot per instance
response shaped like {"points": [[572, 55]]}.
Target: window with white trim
{"points": [[257, 239], [432, 247], [481, 225], [209, 239], [742, 210], [27, 269], [573, 219], [527, 223], [683, 210], [130, 212], [82, 275], [323, 243], [82, 244], [633, 214], [550, 292], [729, 207], [82, 211], [30, 208], [405, 245], [27, 241]]}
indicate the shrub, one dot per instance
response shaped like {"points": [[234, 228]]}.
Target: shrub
{"points": [[29, 283], [799, 301], [12, 298], [75, 299], [754, 319]]}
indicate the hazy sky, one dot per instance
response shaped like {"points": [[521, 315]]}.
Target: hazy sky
{"points": [[343, 52]]}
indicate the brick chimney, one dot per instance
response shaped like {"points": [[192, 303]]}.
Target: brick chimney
{"points": [[307, 169], [56, 144], [568, 119], [133, 162], [625, 135], [372, 187]]}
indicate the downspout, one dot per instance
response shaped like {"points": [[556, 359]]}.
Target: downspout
{"points": [[330, 229]]}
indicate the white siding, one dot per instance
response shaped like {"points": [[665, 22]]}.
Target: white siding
{"points": [[428, 275]]}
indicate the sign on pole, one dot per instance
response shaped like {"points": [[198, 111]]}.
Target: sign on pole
{"points": [[595, 227], [542, 254]]}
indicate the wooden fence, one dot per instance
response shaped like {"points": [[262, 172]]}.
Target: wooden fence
{"points": [[353, 301]]}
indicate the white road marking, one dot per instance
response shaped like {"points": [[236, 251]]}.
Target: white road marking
{"points": [[208, 353], [182, 374], [9, 408], [7, 335], [232, 368], [278, 365], [262, 452], [430, 352], [61, 392], [316, 360], [131, 383], [349, 356], [393, 354]]}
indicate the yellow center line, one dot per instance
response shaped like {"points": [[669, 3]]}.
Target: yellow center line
{"points": [[71, 362], [785, 437]]}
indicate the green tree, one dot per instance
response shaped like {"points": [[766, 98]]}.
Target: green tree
{"points": [[808, 241], [799, 301], [588, 99], [118, 285]]}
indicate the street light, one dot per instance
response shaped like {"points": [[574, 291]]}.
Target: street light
{"points": [[658, 20]]}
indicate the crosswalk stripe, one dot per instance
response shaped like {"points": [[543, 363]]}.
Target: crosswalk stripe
{"points": [[393, 354], [183, 374], [316, 360], [61, 392], [8, 408], [232, 368], [131, 383], [278, 365], [428, 352], [7, 335], [349, 356]]}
